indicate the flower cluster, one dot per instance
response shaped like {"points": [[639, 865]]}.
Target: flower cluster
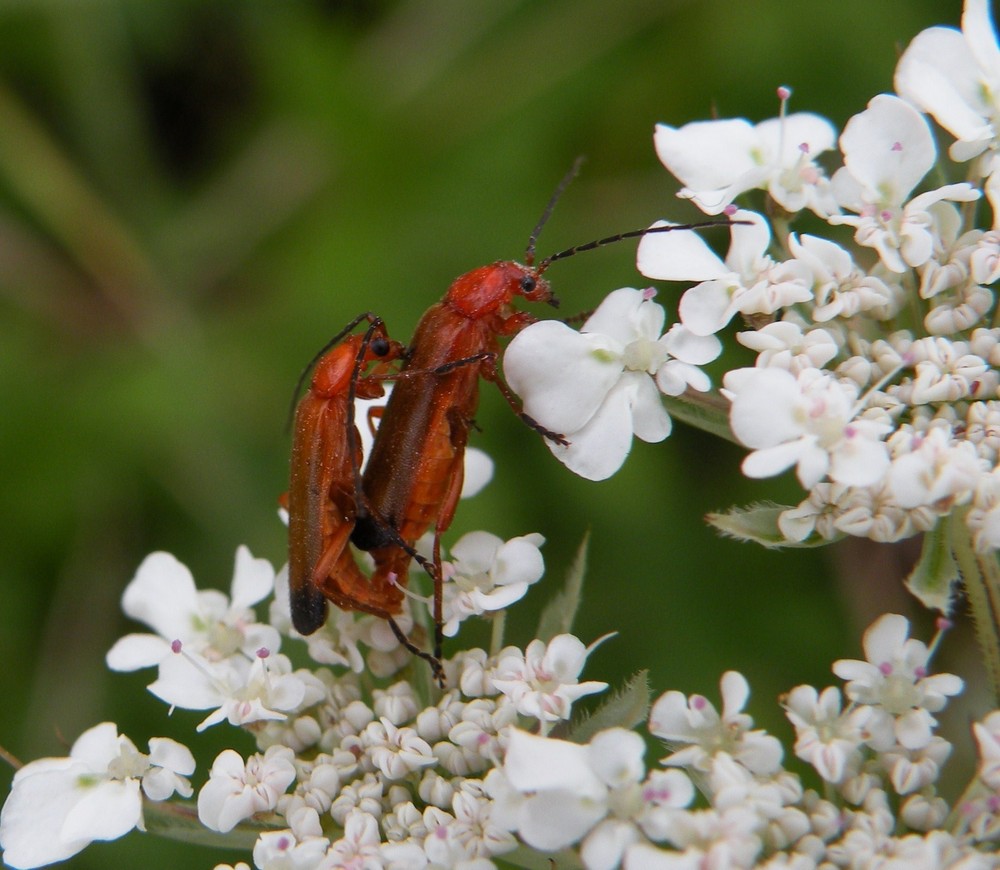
{"points": [[877, 358], [878, 758], [397, 776], [385, 775]]}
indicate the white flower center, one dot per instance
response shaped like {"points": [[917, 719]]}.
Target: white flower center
{"points": [[644, 355], [129, 763], [899, 694]]}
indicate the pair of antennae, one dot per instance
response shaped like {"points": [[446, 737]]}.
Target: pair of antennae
{"points": [[529, 254]]}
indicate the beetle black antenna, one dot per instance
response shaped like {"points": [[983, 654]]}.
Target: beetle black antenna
{"points": [[529, 254], [631, 234]]}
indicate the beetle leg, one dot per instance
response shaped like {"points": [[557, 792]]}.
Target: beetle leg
{"points": [[489, 371]]}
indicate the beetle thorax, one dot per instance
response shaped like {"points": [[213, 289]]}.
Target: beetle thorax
{"points": [[490, 289]]}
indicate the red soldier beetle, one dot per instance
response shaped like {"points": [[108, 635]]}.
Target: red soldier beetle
{"points": [[413, 477], [321, 501]]}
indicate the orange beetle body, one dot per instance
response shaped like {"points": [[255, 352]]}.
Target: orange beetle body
{"points": [[414, 474], [326, 453]]}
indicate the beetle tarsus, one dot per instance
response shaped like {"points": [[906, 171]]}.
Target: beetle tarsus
{"points": [[554, 437]]}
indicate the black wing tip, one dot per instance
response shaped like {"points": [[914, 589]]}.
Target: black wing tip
{"points": [[309, 610]]}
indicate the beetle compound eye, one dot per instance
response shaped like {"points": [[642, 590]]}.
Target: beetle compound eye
{"points": [[527, 284], [379, 346]]}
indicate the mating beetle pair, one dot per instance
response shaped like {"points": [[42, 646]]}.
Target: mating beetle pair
{"points": [[414, 474]]}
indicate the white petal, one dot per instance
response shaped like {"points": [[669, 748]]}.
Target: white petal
{"points": [[518, 561], [106, 812], [534, 763], [684, 345], [171, 755], [476, 551], [750, 242], [770, 461], [135, 651], [888, 148], [706, 308], [564, 657], [598, 449], [253, 579], [650, 420], [553, 820], [707, 155], [97, 746], [678, 256], [478, 471], [605, 845], [33, 816], [625, 315], [860, 462], [735, 693], [162, 595], [938, 74], [185, 685], [981, 35], [763, 411], [793, 131], [914, 729], [561, 375], [616, 756], [885, 637]]}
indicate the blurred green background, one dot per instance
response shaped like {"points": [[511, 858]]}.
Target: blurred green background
{"points": [[195, 195]]}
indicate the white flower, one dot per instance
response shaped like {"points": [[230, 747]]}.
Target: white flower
{"points": [[705, 838], [396, 752], [938, 471], [600, 386], [282, 850], [206, 622], [485, 574], [913, 769], [955, 76], [783, 345], [470, 833], [243, 692], [236, 791], [749, 282], [58, 806], [697, 731], [895, 680], [888, 149], [827, 738], [566, 788], [840, 288], [809, 421], [359, 847], [542, 682], [718, 160]]}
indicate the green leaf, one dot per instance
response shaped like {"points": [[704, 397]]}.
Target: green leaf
{"points": [[759, 523], [626, 708], [558, 615], [936, 573]]}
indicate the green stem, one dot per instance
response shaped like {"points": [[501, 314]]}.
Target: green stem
{"points": [[981, 578], [496, 635], [706, 411], [179, 821]]}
